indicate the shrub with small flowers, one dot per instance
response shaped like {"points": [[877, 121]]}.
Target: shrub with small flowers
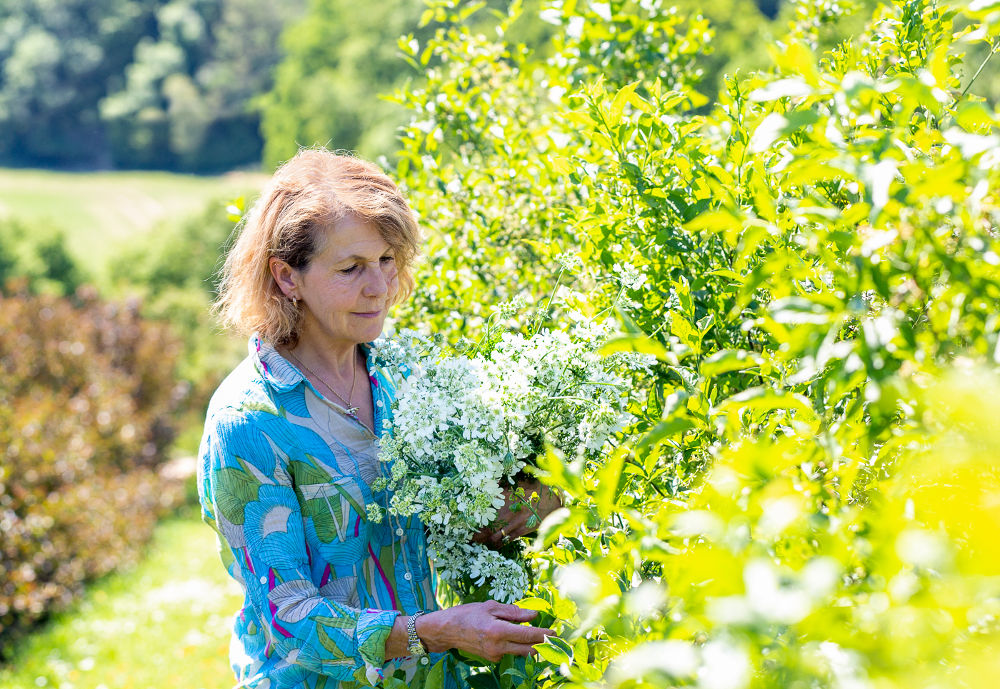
{"points": [[808, 498]]}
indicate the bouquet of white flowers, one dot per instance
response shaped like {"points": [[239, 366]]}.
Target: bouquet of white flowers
{"points": [[466, 424]]}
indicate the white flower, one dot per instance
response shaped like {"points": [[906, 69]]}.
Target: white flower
{"points": [[629, 276], [464, 425], [569, 261]]}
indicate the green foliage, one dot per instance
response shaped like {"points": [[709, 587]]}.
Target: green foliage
{"points": [[186, 99], [89, 394], [172, 270], [136, 83], [165, 622], [58, 59], [38, 258], [340, 55], [806, 500]]}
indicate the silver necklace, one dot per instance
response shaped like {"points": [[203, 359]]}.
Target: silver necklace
{"points": [[351, 409]]}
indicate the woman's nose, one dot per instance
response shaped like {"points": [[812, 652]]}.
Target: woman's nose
{"points": [[377, 282]]}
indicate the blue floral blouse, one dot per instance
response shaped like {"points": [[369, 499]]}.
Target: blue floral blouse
{"points": [[286, 480]]}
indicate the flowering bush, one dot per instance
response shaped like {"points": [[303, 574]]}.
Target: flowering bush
{"points": [[466, 425], [805, 498]]}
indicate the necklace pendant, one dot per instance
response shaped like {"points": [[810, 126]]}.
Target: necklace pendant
{"points": [[353, 411]]}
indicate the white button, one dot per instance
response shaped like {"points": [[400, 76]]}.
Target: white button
{"points": [[379, 403], [407, 576], [263, 580], [424, 660], [399, 532]]}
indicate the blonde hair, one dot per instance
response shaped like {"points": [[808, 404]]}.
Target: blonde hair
{"points": [[307, 195]]}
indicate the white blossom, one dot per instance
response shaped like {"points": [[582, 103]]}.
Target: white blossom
{"points": [[464, 425]]}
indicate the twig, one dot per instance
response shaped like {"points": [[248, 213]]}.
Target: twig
{"points": [[994, 49]]}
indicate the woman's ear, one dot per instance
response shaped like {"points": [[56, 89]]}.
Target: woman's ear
{"points": [[284, 276]]}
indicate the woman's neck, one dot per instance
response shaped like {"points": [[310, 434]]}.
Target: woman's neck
{"points": [[333, 362]]}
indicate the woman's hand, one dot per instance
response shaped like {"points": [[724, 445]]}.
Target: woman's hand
{"points": [[489, 630], [527, 504]]}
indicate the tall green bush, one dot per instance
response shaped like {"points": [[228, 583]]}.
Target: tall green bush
{"points": [[808, 498], [38, 257]]}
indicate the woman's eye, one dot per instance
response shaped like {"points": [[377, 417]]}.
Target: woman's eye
{"points": [[388, 259], [348, 271]]}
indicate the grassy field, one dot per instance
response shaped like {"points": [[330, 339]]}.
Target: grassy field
{"points": [[162, 625], [98, 210]]}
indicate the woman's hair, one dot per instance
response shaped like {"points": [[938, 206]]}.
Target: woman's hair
{"points": [[306, 196]]}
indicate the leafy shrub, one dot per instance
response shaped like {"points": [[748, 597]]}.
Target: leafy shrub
{"points": [[172, 270], [807, 501], [88, 395], [39, 256]]}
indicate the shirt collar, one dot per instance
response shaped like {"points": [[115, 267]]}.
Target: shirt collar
{"points": [[279, 372]]}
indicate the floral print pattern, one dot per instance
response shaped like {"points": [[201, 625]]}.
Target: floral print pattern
{"points": [[285, 479]]}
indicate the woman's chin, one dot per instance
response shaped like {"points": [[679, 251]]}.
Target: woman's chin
{"points": [[369, 326]]}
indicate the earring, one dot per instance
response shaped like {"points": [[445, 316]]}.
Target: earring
{"points": [[295, 301]]}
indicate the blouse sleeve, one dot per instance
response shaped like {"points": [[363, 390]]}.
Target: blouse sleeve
{"points": [[247, 496]]}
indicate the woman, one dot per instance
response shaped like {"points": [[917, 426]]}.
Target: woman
{"points": [[289, 455]]}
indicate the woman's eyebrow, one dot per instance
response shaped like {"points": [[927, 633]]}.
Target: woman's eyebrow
{"points": [[356, 257]]}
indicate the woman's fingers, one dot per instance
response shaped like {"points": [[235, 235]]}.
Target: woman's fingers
{"points": [[489, 630], [540, 500], [530, 635], [512, 613]]}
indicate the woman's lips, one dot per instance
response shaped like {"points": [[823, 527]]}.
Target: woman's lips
{"points": [[368, 314]]}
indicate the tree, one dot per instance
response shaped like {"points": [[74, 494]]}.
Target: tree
{"points": [[340, 57], [186, 100], [57, 60]]}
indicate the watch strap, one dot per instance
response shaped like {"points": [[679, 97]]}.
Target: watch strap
{"points": [[414, 645]]}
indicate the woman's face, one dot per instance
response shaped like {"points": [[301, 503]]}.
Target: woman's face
{"points": [[346, 289]]}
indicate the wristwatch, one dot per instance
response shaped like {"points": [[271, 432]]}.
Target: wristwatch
{"points": [[414, 646]]}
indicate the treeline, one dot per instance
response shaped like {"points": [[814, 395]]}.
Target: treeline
{"points": [[210, 85], [160, 84]]}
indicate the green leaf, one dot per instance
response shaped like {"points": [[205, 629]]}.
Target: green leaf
{"points": [[484, 680], [234, 489], [714, 221], [556, 473], [561, 521], [775, 126], [684, 330], [625, 95], [555, 654], [539, 604], [794, 57], [728, 360], [435, 677], [609, 480], [641, 345], [663, 430], [765, 399]]}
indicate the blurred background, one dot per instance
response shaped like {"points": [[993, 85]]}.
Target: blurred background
{"points": [[133, 134]]}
